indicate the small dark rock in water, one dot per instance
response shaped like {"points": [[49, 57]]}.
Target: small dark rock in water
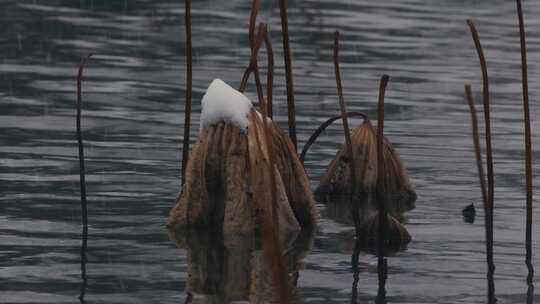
{"points": [[469, 213]]}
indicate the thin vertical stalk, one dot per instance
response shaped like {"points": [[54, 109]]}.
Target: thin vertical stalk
{"points": [[189, 90], [489, 160], [82, 180], [261, 34], [269, 74], [288, 72], [255, 7], [528, 146], [381, 250], [348, 142]]}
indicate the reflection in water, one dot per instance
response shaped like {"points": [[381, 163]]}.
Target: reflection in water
{"points": [[224, 270], [396, 240], [83, 268], [356, 273], [397, 237]]}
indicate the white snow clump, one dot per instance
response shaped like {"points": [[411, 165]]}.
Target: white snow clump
{"points": [[222, 102]]}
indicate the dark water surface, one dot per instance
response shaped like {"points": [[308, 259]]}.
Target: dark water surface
{"points": [[133, 119]]}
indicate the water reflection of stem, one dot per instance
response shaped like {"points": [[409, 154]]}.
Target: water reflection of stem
{"points": [[489, 158], [189, 298], [381, 250], [189, 90], [84, 208], [288, 72], [356, 272], [343, 108], [528, 148]]}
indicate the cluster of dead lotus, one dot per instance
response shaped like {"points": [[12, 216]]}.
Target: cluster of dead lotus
{"points": [[239, 181], [243, 180], [227, 185]]}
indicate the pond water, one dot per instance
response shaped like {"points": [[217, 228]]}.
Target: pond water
{"points": [[133, 116]]}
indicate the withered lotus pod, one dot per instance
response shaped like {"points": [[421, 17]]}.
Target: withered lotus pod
{"points": [[335, 185], [228, 186], [397, 237]]}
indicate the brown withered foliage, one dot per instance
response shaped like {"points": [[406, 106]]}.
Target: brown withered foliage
{"points": [[227, 181], [399, 196]]}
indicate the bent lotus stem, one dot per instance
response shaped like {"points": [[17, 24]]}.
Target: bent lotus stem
{"points": [[528, 146], [255, 6], [288, 72], [476, 141], [253, 64], [189, 91], [323, 127], [381, 250], [82, 181], [343, 108], [489, 160]]}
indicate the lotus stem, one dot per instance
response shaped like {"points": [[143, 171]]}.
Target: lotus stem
{"points": [[323, 127], [343, 108], [381, 251], [489, 159], [476, 141], [528, 147], [189, 90], [288, 72], [82, 180], [269, 74], [255, 6]]}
